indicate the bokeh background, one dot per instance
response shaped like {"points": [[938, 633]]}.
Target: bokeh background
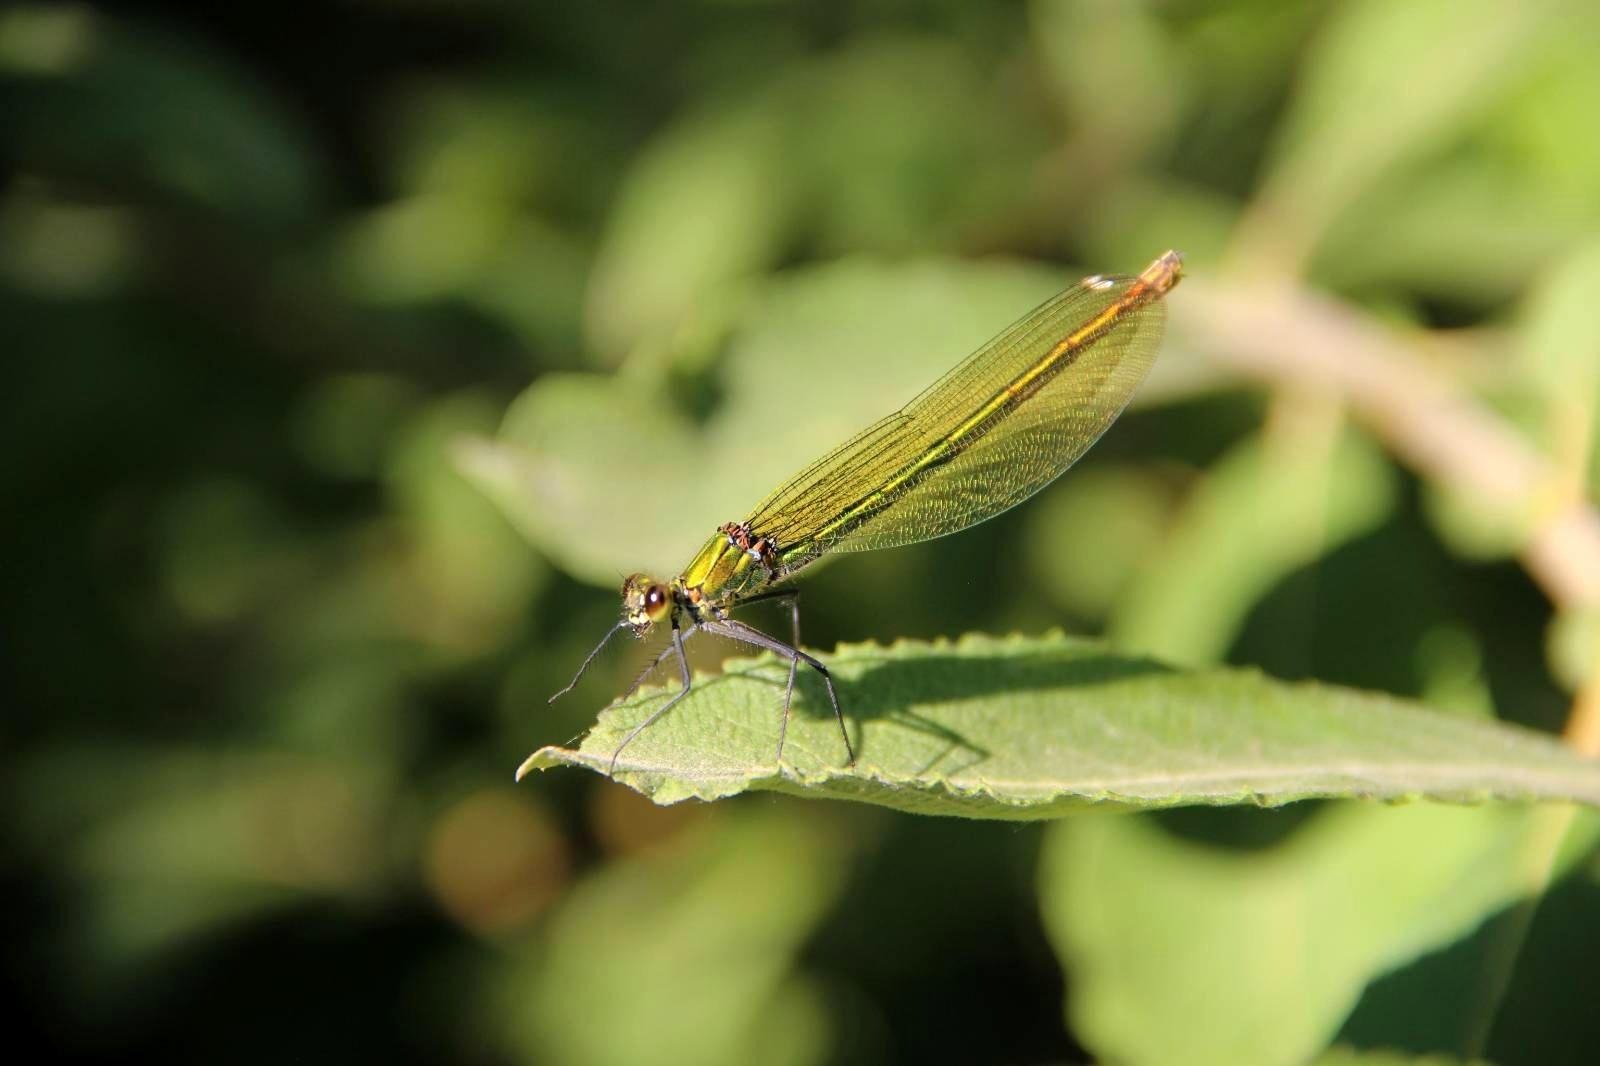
{"points": [[353, 355]]}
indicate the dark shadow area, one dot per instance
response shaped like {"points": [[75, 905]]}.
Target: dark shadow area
{"points": [[940, 921], [889, 689], [1518, 991], [1363, 614], [1238, 828], [936, 675]]}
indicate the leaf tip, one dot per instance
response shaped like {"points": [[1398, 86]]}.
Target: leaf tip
{"points": [[544, 759]]}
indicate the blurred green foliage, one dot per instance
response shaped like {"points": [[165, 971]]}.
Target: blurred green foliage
{"points": [[300, 314]]}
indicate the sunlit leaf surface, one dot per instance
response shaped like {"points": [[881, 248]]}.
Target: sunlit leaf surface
{"points": [[1035, 728]]}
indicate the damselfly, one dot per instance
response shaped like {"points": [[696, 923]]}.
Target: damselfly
{"points": [[997, 428]]}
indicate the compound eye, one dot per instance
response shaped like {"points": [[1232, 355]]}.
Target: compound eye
{"points": [[655, 601]]}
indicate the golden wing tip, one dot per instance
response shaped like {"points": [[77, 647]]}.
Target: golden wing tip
{"points": [[1164, 273]]}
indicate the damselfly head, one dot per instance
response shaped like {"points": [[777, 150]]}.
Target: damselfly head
{"points": [[645, 601]]}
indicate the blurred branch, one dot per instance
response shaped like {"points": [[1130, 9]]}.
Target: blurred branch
{"points": [[1291, 337], [1583, 722]]}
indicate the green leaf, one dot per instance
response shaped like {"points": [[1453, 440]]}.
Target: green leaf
{"points": [[1560, 345], [171, 844], [1084, 47], [1382, 85], [904, 143], [1035, 727], [684, 962], [1114, 516], [705, 205], [579, 461], [475, 571], [1475, 223], [1572, 647], [1273, 504], [1185, 952]]}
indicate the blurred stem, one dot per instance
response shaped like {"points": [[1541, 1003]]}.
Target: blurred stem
{"points": [[1572, 423], [1582, 733], [1288, 336], [1272, 239]]}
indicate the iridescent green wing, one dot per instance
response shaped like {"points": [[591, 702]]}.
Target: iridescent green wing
{"points": [[993, 431]]}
